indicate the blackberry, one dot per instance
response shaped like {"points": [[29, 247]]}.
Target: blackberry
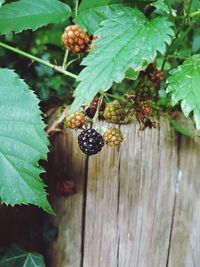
{"points": [[76, 120], [113, 137], [114, 112], [75, 39], [90, 142]]}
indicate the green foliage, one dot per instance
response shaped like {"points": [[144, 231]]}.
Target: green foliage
{"points": [[31, 14], [129, 41], [162, 6], [17, 257], [22, 144], [179, 128], [184, 86], [92, 13]]}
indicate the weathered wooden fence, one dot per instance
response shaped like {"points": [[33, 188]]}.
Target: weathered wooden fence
{"points": [[135, 206]]}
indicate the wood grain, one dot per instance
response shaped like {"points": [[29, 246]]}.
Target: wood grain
{"points": [[130, 200], [147, 188], [127, 212], [67, 163], [185, 243]]}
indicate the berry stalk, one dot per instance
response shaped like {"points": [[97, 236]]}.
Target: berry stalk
{"points": [[39, 60]]}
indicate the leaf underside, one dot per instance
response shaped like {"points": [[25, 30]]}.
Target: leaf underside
{"points": [[23, 143], [184, 86], [31, 14], [128, 41]]}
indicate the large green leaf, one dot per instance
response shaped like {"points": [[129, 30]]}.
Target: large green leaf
{"points": [[92, 13], [16, 257], [31, 14], [184, 86], [23, 143], [129, 41]]}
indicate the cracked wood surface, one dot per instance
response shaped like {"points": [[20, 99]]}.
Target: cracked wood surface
{"points": [[128, 218]]}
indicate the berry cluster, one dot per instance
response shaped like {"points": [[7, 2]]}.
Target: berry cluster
{"points": [[75, 39], [89, 140], [114, 112], [75, 120], [113, 137]]}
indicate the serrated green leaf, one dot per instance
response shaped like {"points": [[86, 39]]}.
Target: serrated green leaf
{"points": [[92, 13], [162, 6], [17, 257], [129, 41], [184, 86], [31, 14], [23, 143]]}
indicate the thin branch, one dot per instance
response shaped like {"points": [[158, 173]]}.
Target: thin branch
{"points": [[39, 60], [64, 65], [76, 8], [55, 125]]}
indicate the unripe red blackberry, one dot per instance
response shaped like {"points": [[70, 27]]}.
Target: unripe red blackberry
{"points": [[144, 108], [157, 76], [91, 110], [90, 142], [75, 39], [75, 120], [113, 112], [113, 137]]}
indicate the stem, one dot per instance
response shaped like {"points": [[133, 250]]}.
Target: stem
{"points": [[39, 60], [95, 119], [193, 14], [176, 57], [76, 8], [114, 96], [171, 13], [64, 65]]}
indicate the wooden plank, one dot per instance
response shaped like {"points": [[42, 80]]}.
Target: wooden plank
{"points": [[101, 233], [147, 193], [130, 200], [67, 162], [185, 244]]}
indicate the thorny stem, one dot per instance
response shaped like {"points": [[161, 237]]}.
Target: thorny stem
{"points": [[39, 60]]}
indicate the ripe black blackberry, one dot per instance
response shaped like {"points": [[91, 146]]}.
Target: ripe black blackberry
{"points": [[90, 142]]}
